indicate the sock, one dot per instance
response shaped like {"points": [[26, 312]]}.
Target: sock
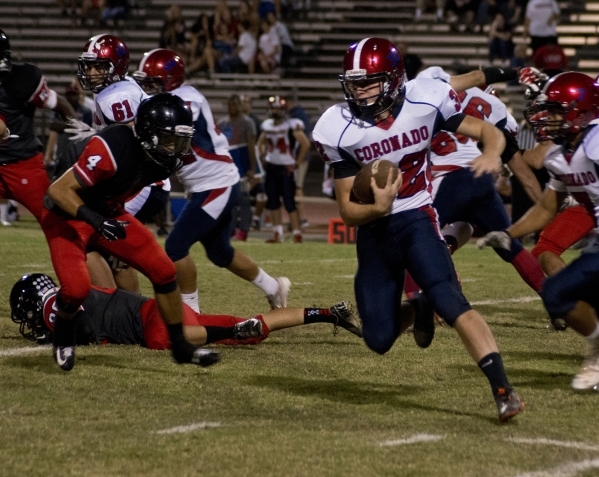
{"points": [[594, 335], [266, 283], [278, 229], [318, 315], [64, 332], [297, 232], [191, 300], [529, 269], [410, 287], [4, 212], [218, 333], [492, 366]]}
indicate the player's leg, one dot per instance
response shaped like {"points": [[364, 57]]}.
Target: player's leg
{"points": [[571, 294], [288, 194], [274, 190], [568, 227]]}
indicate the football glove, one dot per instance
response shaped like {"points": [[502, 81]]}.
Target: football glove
{"points": [[529, 76], [112, 229], [79, 129], [498, 239]]}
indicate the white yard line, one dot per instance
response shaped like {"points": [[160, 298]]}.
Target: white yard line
{"points": [[570, 469], [411, 440], [523, 299], [23, 351], [189, 428], [552, 442]]}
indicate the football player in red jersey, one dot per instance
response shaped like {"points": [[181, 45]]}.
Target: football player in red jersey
{"points": [[119, 317], [23, 88], [386, 118], [85, 206], [566, 112]]}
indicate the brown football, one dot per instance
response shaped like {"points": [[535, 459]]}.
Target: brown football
{"points": [[361, 190]]}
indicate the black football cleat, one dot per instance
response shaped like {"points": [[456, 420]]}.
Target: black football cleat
{"points": [[205, 357], [64, 357], [346, 318], [508, 403], [247, 329], [424, 320]]}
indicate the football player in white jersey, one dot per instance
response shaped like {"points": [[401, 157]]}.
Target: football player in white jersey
{"points": [[567, 113], [102, 69], [458, 196], [386, 118], [276, 147], [211, 178]]}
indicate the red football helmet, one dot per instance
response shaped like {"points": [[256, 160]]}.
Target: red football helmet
{"points": [[369, 61], [566, 105], [159, 71], [277, 107], [109, 56]]}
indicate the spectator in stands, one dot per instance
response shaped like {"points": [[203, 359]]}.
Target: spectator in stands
{"points": [[266, 6], [269, 48], [461, 13], [550, 57], [64, 4], [173, 35], [242, 60], [114, 10], [520, 59], [222, 14], [241, 134], [287, 46], [412, 63], [540, 23], [224, 40], [421, 7], [256, 185], [501, 45], [58, 140], [247, 12], [201, 51]]}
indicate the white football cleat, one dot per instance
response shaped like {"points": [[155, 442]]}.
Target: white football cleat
{"points": [[588, 376]]}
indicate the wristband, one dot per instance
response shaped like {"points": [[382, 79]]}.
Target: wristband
{"points": [[493, 74], [89, 216], [511, 147]]}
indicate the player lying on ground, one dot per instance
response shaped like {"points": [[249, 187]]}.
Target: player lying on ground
{"points": [[119, 317]]}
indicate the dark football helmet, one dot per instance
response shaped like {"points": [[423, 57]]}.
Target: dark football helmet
{"points": [[5, 59], [164, 126], [370, 61], [109, 56], [277, 106], [159, 71], [26, 305], [565, 106]]}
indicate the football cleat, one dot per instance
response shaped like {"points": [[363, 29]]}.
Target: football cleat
{"points": [[588, 376], [508, 403], [559, 324], [276, 238], [424, 320], [279, 299], [346, 318], [205, 357], [64, 356], [244, 330]]}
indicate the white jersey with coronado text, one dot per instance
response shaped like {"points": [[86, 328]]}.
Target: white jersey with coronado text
{"points": [[451, 151], [117, 103], [278, 138], [210, 165], [404, 139], [578, 173]]}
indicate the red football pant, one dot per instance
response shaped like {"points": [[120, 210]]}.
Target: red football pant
{"points": [[68, 240], [26, 182]]}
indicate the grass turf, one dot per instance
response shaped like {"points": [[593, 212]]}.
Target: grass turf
{"points": [[304, 402]]}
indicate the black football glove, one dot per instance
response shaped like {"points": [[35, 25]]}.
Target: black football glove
{"points": [[110, 229]]}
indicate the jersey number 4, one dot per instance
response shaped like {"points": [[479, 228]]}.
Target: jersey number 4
{"points": [[92, 161]]}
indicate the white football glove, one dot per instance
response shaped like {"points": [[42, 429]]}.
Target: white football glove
{"points": [[498, 239], [79, 129]]}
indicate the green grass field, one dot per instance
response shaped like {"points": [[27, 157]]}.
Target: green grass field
{"points": [[305, 402]]}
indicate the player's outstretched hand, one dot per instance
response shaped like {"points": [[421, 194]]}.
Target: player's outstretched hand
{"points": [[79, 129], [485, 164], [384, 197], [498, 239], [112, 229]]}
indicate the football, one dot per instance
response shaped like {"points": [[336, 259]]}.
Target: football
{"points": [[361, 191]]}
